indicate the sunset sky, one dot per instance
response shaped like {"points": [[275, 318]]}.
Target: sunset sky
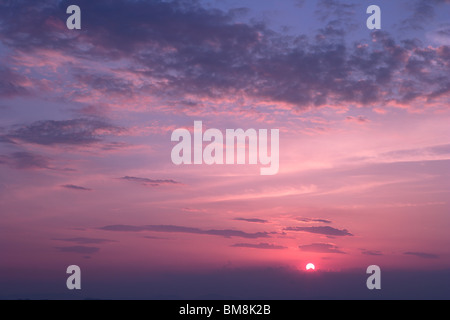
{"points": [[86, 176]]}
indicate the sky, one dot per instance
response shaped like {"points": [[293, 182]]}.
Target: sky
{"points": [[86, 176]]}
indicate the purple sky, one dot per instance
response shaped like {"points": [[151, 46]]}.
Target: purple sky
{"points": [[86, 176]]}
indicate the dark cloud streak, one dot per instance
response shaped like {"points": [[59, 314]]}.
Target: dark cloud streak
{"points": [[251, 220], [79, 249], [258, 246], [308, 220], [321, 248], [82, 240], [423, 255], [423, 11], [180, 229], [74, 187], [150, 182], [25, 160], [324, 230], [66, 132], [11, 83], [371, 252]]}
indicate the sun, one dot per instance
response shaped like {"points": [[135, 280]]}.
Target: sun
{"points": [[310, 266]]}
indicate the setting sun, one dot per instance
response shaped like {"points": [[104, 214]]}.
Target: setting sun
{"points": [[310, 266]]}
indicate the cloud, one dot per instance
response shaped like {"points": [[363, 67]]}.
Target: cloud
{"points": [[432, 150], [207, 54], [155, 238], [423, 255], [358, 119], [335, 9], [371, 252], [423, 11], [325, 230], [11, 83], [106, 84], [6, 140], [68, 132], [313, 220], [79, 249], [440, 149], [74, 187], [321, 248], [25, 160], [150, 182], [258, 246], [441, 35], [181, 229], [82, 240], [93, 110], [251, 220], [339, 17]]}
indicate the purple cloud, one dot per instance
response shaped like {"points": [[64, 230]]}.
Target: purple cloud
{"points": [[79, 249], [10, 84], [321, 248], [155, 238], [251, 220], [149, 182], [371, 252], [82, 240], [180, 229], [423, 255], [25, 160], [258, 246], [423, 11], [433, 150], [313, 220], [207, 54], [69, 132], [358, 119], [74, 187], [325, 230]]}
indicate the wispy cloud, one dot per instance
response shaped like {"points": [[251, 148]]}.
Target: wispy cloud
{"points": [[25, 160], [371, 252], [258, 246], [255, 220], [441, 35], [82, 240], [358, 119], [308, 220], [74, 187], [263, 194], [321, 248], [155, 238], [438, 150], [150, 182], [325, 230], [11, 83], [180, 229], [423, 255], [79, 249], [66, 132], [335, 9]]}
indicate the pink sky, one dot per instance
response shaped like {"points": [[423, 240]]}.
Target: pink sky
{"points": [[85, 167]]}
